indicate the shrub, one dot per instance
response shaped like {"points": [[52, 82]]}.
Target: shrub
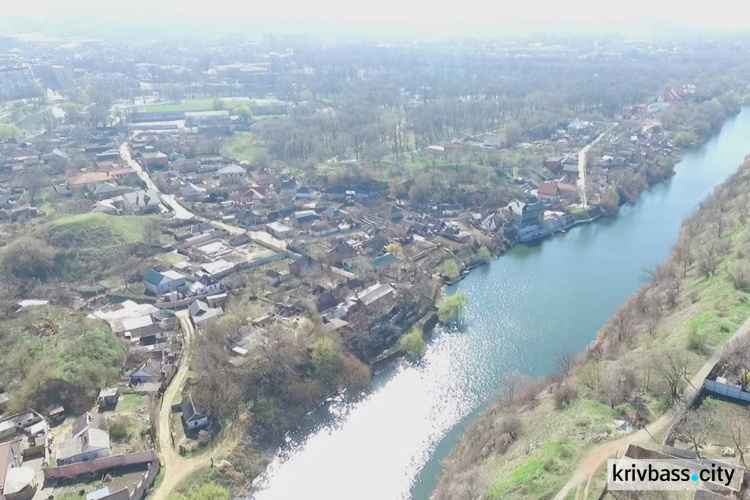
{"points": [[565, 394], [120, 429], [413, 342]]}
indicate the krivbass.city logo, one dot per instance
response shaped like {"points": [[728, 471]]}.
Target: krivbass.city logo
{"points": [[628, 474]]}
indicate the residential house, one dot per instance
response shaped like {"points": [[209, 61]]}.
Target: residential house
{"points": [[382, 260], [17, 482], [454, 233], [185, 166], [87, 442], [200, 312], [109, 155], [107, 190], [249, 218], [548, 191], [276, 278], [571, 171], [87, 180], [493, 141], [252, 194], [374, 294], [192, 415], [153, 160], [194, 193], [278, 230], [567, 191], [524, 214], [142, 202], [392, 213], [303, 216], [108, 397], [56, 156], [232, 175], [579, 127], [320, 228], [124, 175], [149, 373], [339, 253], [159, 283], [554, 165]]}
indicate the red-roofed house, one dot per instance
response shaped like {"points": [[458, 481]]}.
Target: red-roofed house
{"points": [[88, 180], [548, 191]]}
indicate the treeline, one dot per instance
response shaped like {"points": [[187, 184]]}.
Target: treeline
{"points": [[366, 102], [636, 366], [284, 377]]}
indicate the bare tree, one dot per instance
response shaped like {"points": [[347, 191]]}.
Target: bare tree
{"points": [[684, 256], [623, 322], [511, 384], [740, 277], [617, 385], [695, 427], [590, 374], [738, 429], [671, 365], [708, 263], [510, 425], [565, 362]]}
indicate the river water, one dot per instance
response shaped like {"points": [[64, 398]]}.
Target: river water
{"points": [[524, 308]]}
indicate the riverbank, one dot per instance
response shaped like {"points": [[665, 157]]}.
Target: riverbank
{"points": [[687, 311], [413, 416]]}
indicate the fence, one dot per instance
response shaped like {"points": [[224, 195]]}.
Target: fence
{"points": [[143, 486], [101, 464], [727, 391]]}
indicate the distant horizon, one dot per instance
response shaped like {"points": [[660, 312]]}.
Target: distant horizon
{"points": [[389, 19]]}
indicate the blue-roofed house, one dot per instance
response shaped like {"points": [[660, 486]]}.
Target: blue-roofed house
{"points": [[159, 283]]}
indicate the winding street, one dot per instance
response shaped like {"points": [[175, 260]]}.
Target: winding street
{"points": [[597, 456], [175, 466], [582, 154]]}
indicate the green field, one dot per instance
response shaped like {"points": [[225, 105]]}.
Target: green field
{"points": [[98, 233], [242, 146], [204, 104]]}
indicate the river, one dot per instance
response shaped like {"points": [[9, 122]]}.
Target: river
{"points": [[524, 308]]}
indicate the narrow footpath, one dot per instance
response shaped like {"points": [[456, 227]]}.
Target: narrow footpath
{"points": [[591, 462]]}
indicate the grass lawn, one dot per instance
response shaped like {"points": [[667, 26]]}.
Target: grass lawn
{"points": [[98, 233], [130, 402], [202, 104], [530, 470], [241, 146], [172, 258], [189, 105]]}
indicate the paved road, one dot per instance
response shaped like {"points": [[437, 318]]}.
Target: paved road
{"points": [[588, 466], [178, 211]]}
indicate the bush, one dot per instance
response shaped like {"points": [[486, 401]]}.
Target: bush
{"points": [[28, 258], [483, 254], [413, 342], [120, 429], [565, 394], [450, 269], [696, 342], [451, 307]]}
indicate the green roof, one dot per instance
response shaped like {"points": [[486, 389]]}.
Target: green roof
{"points": [[153, 277]]}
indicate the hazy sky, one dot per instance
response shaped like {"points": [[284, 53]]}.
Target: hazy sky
{"points": [[422, 15]]}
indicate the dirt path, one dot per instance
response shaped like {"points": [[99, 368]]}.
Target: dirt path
{"points": [[591, 462], [582, 163], [175, 466]]}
